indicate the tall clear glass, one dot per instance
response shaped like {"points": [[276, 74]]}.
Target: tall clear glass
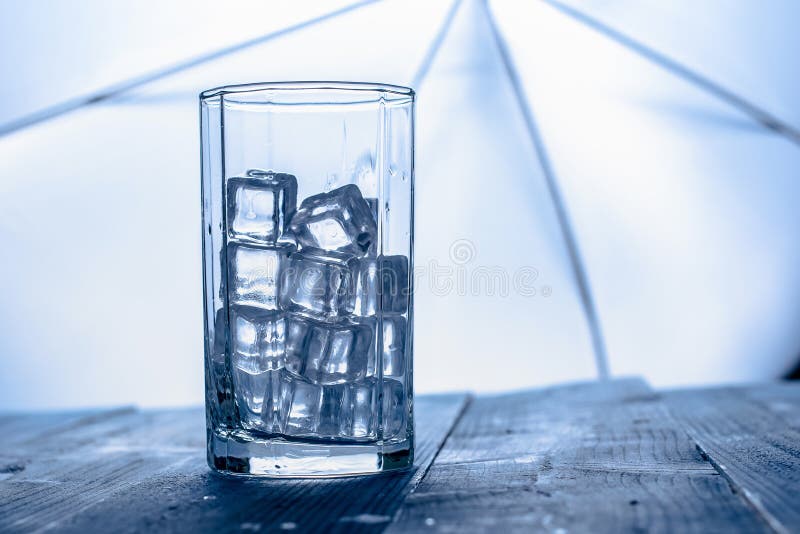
{"points": [[308, 231]]}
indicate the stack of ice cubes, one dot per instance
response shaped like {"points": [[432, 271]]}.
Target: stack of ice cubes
{"points": [[305, 291]]}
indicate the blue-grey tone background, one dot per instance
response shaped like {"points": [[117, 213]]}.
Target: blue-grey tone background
{"points": [[650, 116]]}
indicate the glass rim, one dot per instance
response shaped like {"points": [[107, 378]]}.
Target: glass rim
{"points": [[322, 87]]}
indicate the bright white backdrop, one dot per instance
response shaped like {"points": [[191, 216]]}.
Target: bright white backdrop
{"points": [[683, 207]]}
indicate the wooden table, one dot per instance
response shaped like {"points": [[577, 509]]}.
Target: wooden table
{"points": [[612, 456]]}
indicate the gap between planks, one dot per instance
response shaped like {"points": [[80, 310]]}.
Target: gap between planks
{"points": [[750, 435], [146, 470], [421, 474], [582, 457]]}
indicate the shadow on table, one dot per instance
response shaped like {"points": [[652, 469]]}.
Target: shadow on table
{"points": [[203, 501]]}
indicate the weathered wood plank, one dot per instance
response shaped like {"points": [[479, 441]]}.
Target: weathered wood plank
{"points": [[136, 472], [18, 429], [23, 435], [750, 444], [586, 458], [67, 467], [582, 457]]}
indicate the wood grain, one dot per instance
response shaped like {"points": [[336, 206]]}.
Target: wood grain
{"points": [[752, 445], [608, 456], [129, 471], [67, 467], [586, 458]]}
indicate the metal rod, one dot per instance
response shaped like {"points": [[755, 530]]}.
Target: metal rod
{"points": [[427, 61], [567, 234], [761, 116], [116, 89]]}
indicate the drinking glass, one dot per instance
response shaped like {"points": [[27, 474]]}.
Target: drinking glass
{"points": [[308, 221]]}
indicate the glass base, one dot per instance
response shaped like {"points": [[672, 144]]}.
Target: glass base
{"points": [[240, 454]]}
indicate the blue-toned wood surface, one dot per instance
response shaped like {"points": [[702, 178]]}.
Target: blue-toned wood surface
{"points": [[596, 456]]}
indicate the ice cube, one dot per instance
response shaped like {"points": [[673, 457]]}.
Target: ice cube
{"points": [[328, 353], [384, 278], [392, 355], [272, 408], [296, 407], [301, 403], [394, 408], [394, 345], [339, 221], [258, 339], [365, 302], [319, 284], [254, 274], [257, 393], [260, 205], [257, 349], [331, 410], [358, 414]]}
